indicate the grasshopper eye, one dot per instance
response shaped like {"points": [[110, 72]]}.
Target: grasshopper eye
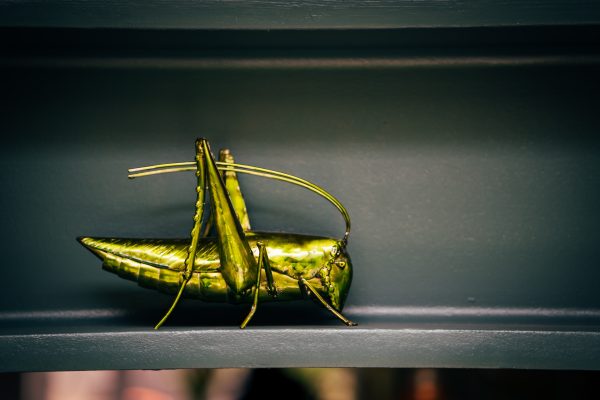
{"points": [[335, 251], [341, 264]]}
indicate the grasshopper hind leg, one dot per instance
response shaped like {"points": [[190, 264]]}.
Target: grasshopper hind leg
{"points": [[328, 306]]}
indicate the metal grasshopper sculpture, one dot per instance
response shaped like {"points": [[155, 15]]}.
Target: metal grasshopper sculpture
{"points": [[237, 265]]}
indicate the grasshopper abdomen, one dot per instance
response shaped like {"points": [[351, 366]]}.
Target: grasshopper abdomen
{"points": [[157, 263]]}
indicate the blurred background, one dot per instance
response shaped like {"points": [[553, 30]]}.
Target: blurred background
{"points": [[302, 383]]}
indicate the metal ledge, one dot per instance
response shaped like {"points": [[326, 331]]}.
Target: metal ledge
{"points": [[237, 14]]}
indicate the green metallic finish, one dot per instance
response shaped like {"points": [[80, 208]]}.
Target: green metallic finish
{"points": [[236, 265], [157, 263]]}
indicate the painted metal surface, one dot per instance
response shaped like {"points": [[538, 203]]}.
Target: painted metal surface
{"points": [[475, 187], [295, 14]]}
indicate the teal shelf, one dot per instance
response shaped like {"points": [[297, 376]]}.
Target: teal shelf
{"points": [[468, 158], [297, 14]]}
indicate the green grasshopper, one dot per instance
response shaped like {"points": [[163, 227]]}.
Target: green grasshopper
{"points": [[237, 265]]}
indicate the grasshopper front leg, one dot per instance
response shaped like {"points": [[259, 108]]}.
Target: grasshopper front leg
{"points": [[328, 306]]}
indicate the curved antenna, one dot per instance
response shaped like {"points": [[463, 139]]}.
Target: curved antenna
{"points": [[250, 170]]}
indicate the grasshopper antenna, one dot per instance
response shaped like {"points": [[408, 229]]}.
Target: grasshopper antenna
{"points": [[250, 170]]}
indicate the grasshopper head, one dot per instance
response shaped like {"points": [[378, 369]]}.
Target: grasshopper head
{"points": [[340, 278]]}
